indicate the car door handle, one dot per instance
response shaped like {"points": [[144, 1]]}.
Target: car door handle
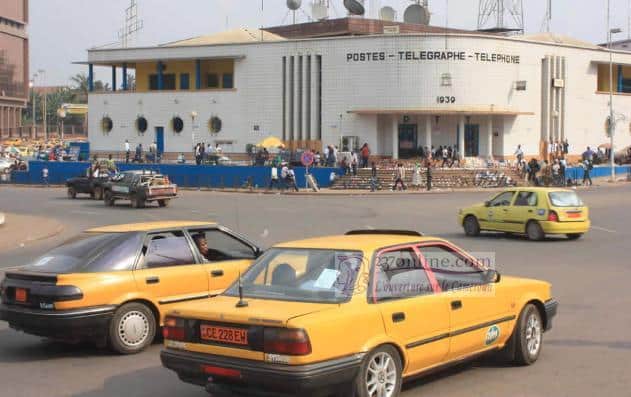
{"points": [[216, 273], [505, 209], [398, 317], [152, 280], [530, 211], [455, 305]]}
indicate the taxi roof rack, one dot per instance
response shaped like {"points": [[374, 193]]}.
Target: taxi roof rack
{"points": [[360, 232]]}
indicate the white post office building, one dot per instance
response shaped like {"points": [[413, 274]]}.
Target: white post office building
{"points": [[346, 82]]}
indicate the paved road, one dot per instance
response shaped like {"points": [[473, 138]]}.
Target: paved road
{"points": [[587, 352]]}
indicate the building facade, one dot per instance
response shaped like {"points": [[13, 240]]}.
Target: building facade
{"points": [[483, 94], [14, 64]]}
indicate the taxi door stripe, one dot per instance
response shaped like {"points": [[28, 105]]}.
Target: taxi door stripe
{"points": [[188, 298], [459, 332]]}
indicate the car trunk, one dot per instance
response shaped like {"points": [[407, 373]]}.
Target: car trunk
{"points": [[35, 290]]}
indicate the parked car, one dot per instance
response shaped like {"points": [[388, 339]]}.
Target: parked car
{"points": [[533, 211], [112, 285], [354, 315], [623, 156], [5, 165], [139, 187]]}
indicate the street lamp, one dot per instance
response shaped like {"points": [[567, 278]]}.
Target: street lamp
{"points": [[611, 124], [42, 74], [32, 85]]}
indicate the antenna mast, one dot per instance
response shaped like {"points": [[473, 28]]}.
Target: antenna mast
{"points": [[548, 18], [507, 14], [131, 26]]}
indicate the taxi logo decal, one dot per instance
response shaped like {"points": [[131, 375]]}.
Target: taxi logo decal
{"points": [[541, 212], [492, 334]]}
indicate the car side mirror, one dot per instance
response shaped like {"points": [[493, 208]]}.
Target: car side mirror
{"points": [[493, 276], [487, 203], [258, 252]]}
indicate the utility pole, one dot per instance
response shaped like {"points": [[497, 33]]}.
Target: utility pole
{"points": [[42, 74], [612, 123]]}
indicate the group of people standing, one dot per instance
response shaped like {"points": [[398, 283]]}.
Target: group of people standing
{"points": [[203, 152], [139, 154]]}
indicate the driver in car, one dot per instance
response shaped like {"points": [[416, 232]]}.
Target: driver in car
{"points": [[202, 245]]}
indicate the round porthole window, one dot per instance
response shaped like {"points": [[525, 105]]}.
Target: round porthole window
{"points": [[141, 124], [107, 124], [178, 124], [214, 125]]}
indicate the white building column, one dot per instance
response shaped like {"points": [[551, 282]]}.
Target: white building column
{"points": [[461, 127], [315, 110], [428, 132], [297, 107], [489, 137], [306, 89], [288, 99], [1, 120], [395, 137]]}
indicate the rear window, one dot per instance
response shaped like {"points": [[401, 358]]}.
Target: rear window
{"points": [[565, 199], [91, 253]]}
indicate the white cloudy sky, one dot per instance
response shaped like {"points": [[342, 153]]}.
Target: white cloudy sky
{"points": [[61, 30]]}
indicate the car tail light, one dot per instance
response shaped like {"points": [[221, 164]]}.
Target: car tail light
{"points": [[173, 329], [293, 342], [553, 217], [222, 372]]}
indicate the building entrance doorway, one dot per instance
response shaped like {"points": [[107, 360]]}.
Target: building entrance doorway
{"points": [[408, 140], [472, 140]]}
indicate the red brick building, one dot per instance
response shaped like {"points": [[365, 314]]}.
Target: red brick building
{"points": [[14, 63]]}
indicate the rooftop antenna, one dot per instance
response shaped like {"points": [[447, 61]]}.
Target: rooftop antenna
{"points": [[417, 13], [548, 18], [319, 10], [294, 5], [501, 16], [355, 7], [132, 25]]}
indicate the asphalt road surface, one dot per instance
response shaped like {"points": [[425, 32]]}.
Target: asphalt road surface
{"points": [[587, 352]]}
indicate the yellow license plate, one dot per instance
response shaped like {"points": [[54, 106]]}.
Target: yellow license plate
{"points": [[236, 336]]}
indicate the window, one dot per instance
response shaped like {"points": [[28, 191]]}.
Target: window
{"points": [[228, 80], [212, 80], [168, 82], [303, 275], [185, 81], [452, 270], [502, 200], [169, 249], [565, 199], [216, 245], [526, 199], [398, 274]]}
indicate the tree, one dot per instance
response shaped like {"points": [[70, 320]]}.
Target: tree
{"points": [[80, 87]]}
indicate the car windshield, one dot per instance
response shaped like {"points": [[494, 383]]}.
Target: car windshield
{"points": [[305, 275], [90, 253], [565, 199]]}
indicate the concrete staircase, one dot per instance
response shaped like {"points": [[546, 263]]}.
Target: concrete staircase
{"points": [[446, 178]]}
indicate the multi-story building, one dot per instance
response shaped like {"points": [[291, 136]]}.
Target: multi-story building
{"points": [[350, 81], [14, 63]]}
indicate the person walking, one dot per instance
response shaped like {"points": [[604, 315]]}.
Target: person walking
{"points": [[416, 176], [519, 154], [127, 151], [445, 156], [354, 162], [365, 155], [45, 175], [399, 176], [428, 175], [373, 177], [138, 155], [587, 168], [274, 178]]}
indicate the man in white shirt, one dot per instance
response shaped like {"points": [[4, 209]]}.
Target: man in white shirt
{"points": [[127, 151]]}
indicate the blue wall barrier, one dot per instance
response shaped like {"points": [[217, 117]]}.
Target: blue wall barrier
{"points": [[597, 172], [182, 174]]}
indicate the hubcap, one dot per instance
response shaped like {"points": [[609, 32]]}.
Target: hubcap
{"points": [[381, 376], [133, 328], [533, 335]]}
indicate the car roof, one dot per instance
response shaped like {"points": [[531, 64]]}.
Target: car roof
{"points": [[367, 242], [149, 226], [538, 189]]}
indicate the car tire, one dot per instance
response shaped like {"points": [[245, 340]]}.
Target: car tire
{"points": [[137, 202], [528, 336], [72, 193], [108, 198], [574, 236], [132, 328], [471, 226], [534, 231], [98, 193], [163, 203], [381, 368]]}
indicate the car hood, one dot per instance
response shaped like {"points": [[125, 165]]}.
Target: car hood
{"points": [[258, 311]]}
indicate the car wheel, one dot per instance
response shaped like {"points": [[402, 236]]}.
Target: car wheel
{"points": [[574, 236], [534, 231], [163, 203], [528, 336], [72, 193], [137, 202], [108, 198], [132, 328], [471, 226], [380, 374], [98, 193]]}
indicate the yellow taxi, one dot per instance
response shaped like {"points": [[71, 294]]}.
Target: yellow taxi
{"points": [[354, 315], [113, 284], [534, 211]]}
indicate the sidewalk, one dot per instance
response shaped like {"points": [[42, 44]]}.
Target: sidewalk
{"points": [[20, 230]]}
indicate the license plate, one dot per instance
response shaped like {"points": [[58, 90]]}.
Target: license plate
{"points": [[574, 214], [235, 336], [21, 295]]}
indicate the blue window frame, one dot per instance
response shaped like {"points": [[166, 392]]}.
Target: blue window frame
{"points": [[185, 81], [228, 80]]}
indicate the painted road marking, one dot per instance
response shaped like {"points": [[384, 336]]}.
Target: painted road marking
{"points": [[603, 229]]}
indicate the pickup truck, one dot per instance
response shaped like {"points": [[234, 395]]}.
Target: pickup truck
{"points": [[139, 187], [87, 185]]}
